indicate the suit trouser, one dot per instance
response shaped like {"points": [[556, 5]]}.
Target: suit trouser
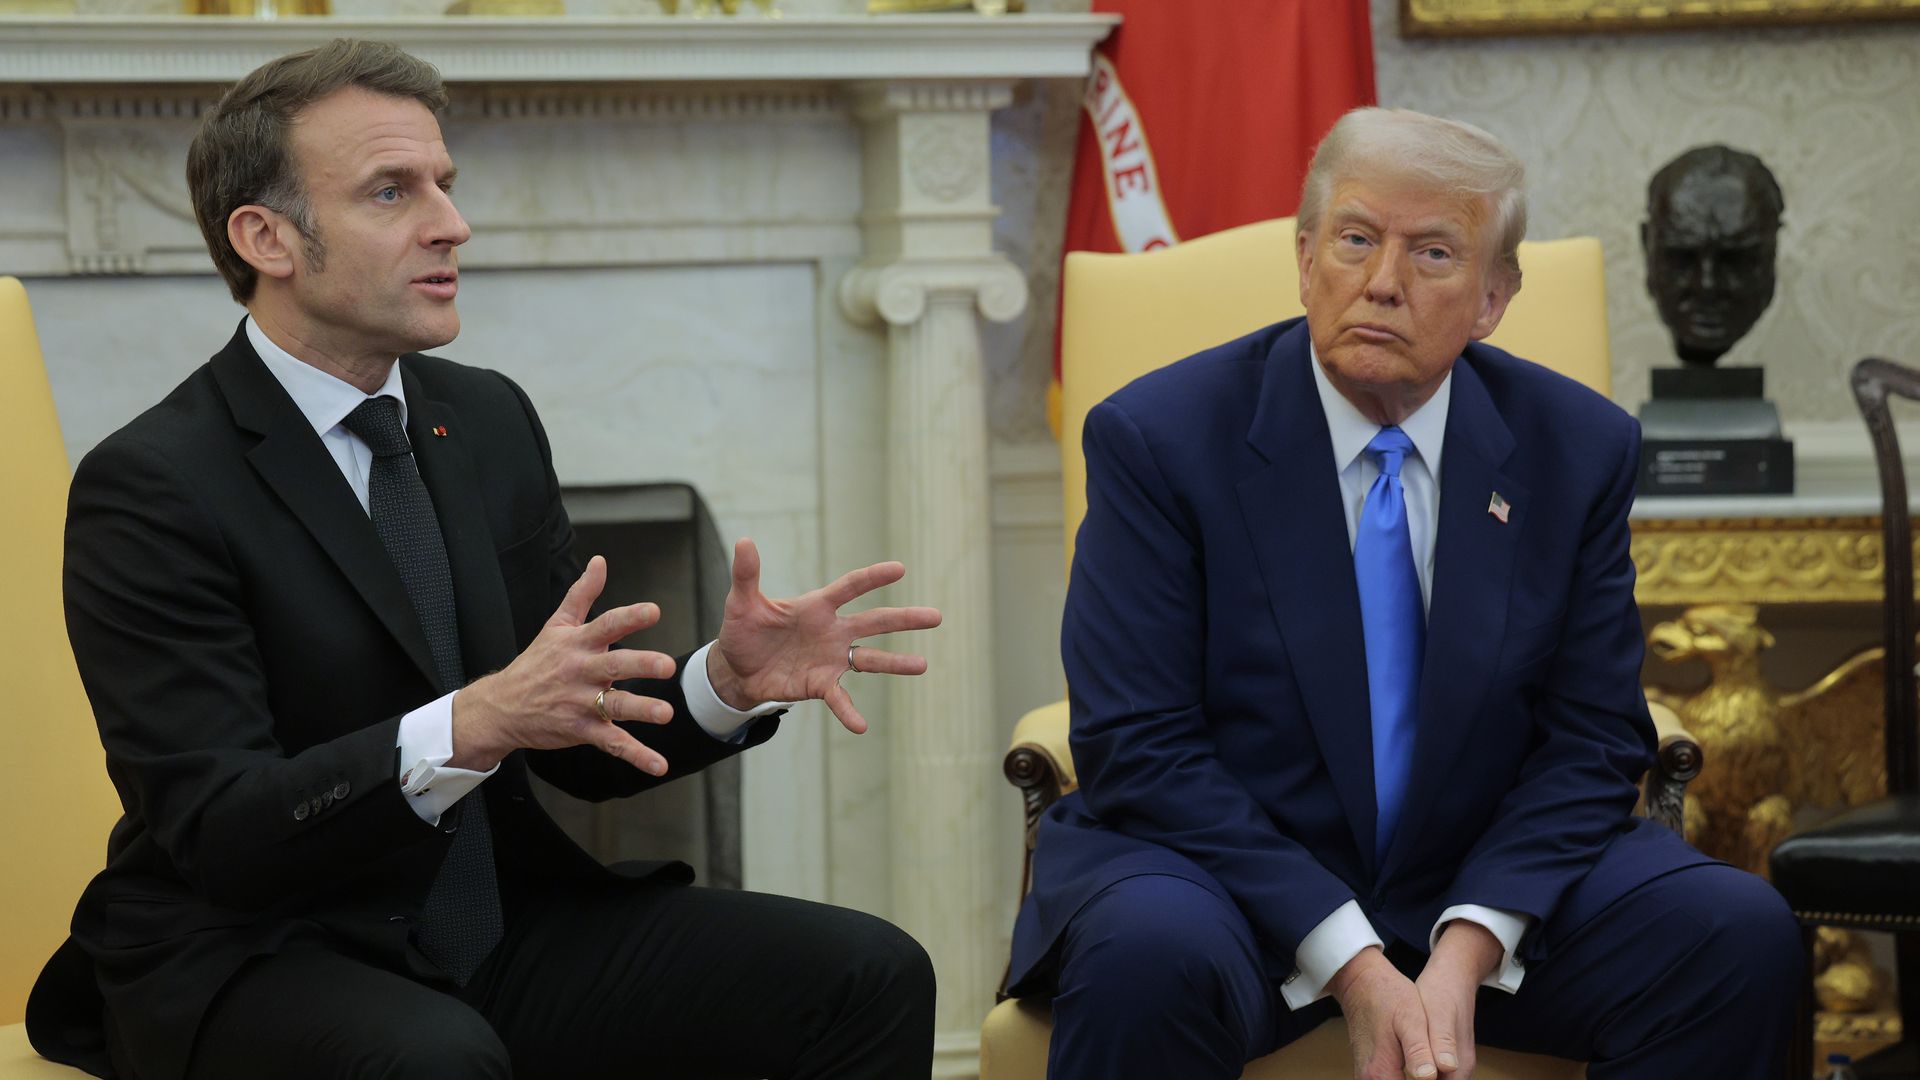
{"points": [[1693, 974], [617, 979]]}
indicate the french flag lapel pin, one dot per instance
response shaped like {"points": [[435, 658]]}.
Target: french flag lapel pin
{"points": [[441, 431], [1499, 507]]}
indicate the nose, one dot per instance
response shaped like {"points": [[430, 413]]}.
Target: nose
{"points": [[1384, 282], [445, 225]]}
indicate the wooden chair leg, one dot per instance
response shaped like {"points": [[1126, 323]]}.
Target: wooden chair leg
{"points": [[1907, 971], [1901, 1060], [1800, 1055]]}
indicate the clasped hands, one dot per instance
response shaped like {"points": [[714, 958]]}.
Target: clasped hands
{"points": [[553, 695], [1416, 1028]]}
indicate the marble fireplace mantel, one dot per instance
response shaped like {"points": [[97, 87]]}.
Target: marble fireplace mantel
{"points": [[95, 115], [144, 50], [750, 254]]}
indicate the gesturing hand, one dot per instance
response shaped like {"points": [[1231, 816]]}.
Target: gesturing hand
{"points": [[549, 697], [797, 649], [1386, 1021]]}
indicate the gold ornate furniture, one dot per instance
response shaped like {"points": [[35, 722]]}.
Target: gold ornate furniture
{"points": [[1820, 546], [1123, 315], [54, 835], [1862, 868]]}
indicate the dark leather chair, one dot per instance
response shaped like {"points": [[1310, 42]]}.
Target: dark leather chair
{"points": [[1861, 869]]}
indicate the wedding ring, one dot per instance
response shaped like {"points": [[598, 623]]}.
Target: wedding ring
{"points": [[600, 705], [851, 666]]}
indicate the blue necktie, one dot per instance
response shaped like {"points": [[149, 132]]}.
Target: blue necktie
{"points": [[1394, 622]]}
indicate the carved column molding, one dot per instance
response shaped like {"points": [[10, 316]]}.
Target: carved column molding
{"points": [[929, 274]]}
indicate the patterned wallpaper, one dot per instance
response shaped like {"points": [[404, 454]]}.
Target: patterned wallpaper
{"points": [[1834, 112]]}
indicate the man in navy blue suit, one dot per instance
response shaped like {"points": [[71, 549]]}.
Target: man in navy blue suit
{"points": [[1354, 666]]}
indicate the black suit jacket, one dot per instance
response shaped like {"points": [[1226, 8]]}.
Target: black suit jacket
{"points": [[249, 651]]}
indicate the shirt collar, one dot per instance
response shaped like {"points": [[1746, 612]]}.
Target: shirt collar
{"points": [[1352, 431], [323, 399]]}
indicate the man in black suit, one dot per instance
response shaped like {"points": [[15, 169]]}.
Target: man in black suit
{"points": [[286, 587]]}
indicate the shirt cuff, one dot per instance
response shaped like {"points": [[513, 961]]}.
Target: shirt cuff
{"points": [[1324, 951], [1508, 926], [426, 744], [716, 717]]}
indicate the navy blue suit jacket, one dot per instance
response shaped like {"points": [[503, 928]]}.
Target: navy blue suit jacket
{"points": [[1217, 675]]}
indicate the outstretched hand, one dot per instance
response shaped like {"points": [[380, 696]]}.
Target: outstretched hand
{"points": [[797, 649], [558, 693]]}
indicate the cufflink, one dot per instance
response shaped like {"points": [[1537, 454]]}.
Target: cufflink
{"points": [[416, 781]]}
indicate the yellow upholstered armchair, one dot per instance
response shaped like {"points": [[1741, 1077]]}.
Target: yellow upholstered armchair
{"points": [[1124, 315], [53, 836]]}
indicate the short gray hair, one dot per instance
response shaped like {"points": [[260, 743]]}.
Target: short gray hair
{"points": [[241, 154], [1448, 155]]}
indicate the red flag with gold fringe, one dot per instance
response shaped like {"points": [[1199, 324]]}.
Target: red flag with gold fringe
{"points": [[1202, 114]]}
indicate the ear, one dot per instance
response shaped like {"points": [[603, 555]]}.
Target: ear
{"points": [[1303, 256], [1493, 308], [265, 239]]}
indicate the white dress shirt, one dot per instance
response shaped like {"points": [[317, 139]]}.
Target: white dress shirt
{"points": [[1342, 935], [426, 734]]}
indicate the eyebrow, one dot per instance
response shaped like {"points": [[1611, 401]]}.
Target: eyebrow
{"points": [[1438, 228], [393, 173], [1355, 215], [1441, 230]]}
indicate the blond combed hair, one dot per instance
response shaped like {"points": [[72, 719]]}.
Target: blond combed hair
{"points": [[1449, 156]]}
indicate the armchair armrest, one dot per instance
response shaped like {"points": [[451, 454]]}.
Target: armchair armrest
{"points": [[1678, 760], [1040, 763]]}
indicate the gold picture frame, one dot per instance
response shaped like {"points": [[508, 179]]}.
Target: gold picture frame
{"points": [[909, 7], [1489, 18]]}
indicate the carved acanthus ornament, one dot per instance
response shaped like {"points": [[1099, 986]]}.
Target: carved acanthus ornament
{"points": [[1757, 560]]}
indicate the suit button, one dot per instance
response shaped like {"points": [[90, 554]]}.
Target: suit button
{"points": [[301, 810], [325, 800], [341, 789]]}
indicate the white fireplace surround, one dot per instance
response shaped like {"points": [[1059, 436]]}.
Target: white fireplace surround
{"points": [[748, 254]]}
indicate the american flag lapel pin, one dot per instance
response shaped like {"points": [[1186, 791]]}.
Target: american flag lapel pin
{"points": [[1499, 508], [441, 431]]}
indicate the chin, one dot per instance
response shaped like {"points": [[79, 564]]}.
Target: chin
{"points": [[435, 334], [1368, 365], [1708, 342]]}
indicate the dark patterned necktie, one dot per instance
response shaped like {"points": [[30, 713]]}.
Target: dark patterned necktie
{"points": [[460, 922]]}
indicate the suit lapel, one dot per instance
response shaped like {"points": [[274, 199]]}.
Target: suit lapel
{"points": [[1472, 577], [481, 606], [292, 461], [1298, 530]]}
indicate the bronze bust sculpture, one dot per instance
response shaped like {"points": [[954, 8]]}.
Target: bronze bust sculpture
{"points": [[1713, 218], [1712, 229]]}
